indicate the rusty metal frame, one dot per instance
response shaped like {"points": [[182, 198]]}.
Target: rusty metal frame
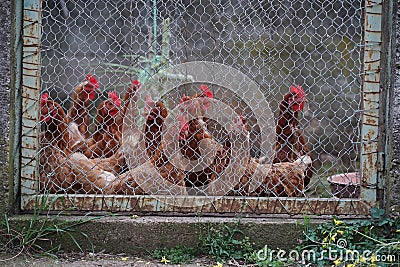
{"points": [[370, 155], [31, 67], [208, 205]]}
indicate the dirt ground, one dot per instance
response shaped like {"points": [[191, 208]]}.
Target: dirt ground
{"points": [[90, 260]]}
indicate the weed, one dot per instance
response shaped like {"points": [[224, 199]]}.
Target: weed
{"points": [[223, 244], [175, 255], [34, 238], [227, 243], [354, 243], [347, 240]]}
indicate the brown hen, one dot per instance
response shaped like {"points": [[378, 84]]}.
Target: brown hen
{"points": [[81, 98], [290, 143]]}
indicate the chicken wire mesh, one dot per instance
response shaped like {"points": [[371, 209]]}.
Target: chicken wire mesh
{"points": [[204, 99]]}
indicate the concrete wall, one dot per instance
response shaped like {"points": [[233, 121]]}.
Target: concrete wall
{"points": [[5, 48], [395, 171]]}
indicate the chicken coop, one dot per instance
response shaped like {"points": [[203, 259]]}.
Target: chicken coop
{"points": [[218, 107]]}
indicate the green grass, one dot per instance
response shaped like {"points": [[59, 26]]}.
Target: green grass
{"points": [[378, 236], [229, 245], [223, 244], [175, 255], [36, 237]]}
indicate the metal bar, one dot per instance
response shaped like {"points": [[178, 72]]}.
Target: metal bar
{"points": [[15, 156], [30, 93], [370, 102], [216, 205]]}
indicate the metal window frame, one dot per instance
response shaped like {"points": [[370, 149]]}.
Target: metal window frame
{"points": [[372, 160]]}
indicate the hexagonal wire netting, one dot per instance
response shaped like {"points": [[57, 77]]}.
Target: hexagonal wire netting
{"points": [[236, 98]]}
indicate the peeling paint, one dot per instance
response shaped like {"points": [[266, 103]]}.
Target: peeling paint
{"points": [[226, 205], [371, 94], [30, 92]]}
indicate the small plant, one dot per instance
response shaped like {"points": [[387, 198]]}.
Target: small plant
{"points": [[275, 262], [227, 243], [223, 244], [354, 243], [373, 242], [175, 255], [34, 238]]}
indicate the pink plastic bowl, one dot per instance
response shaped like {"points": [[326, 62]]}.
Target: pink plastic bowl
{"points": [[345, 185]]}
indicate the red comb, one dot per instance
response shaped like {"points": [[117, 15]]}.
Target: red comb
{"points": [[114, 96], [136, 83], [184, 126], [90, 78], [44, 98], [206, 91], [298, 90], [183, 99]]}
